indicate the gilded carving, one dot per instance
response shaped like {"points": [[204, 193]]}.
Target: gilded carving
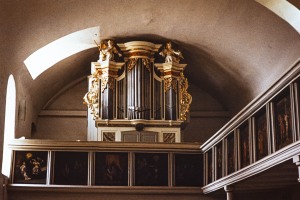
{"points": [[131, 63], [185, 97], [170, 54], [91, 98], [107, 81], [107, 49], [170, 82], [146, 63]]}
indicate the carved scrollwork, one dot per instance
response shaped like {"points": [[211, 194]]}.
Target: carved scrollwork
{"points": [[131, 63], [170, 82], [107, 81], [91, 98], [146, 62], [185, 97]]}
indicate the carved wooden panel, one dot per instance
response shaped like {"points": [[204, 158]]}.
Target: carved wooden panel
{"points": [[130, 136], [148, 136], [169, 137], [109, 136]]}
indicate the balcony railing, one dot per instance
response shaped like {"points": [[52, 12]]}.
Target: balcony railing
{"points": [[106, 166], [263, 135]]}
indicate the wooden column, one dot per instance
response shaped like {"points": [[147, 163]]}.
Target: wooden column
{"points": [[229, 192], [296, 160]]}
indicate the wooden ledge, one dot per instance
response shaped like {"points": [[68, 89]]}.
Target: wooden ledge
{"points": [[105, 189], [267, 163], [32, 144]]}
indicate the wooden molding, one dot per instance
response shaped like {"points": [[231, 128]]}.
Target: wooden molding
{"points": [[62, 113], [264, 164], [106, 189], [19, 144]]}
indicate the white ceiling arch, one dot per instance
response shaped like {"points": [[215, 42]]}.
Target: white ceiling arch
{"points": [[285, 10], [58, 50]]}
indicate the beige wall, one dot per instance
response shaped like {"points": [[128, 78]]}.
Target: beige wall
{"points": [[61, 127]]}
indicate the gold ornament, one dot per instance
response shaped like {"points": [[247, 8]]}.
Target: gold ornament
{"points": [[91, 98], [185, 97], [170, 82]]}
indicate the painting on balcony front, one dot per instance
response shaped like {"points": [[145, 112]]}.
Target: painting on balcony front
{"points": [[188, 170], [230, 154], [209, 167], [219, 160], [111, 169], [244, 145], [30, 167], [151, 169], [261, 135], [70, 168], [283, 121]]}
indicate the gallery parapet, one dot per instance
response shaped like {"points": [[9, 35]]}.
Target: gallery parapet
{"points": [[56, 164], [252, 141]]}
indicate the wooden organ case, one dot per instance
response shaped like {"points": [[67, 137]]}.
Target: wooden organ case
{"points": [[137, 100]]}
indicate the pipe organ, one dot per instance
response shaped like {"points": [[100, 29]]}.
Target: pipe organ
{"points": [[139, 99]]}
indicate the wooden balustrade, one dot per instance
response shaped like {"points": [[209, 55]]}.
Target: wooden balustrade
{"points": [[264, 134], [156, 167]]}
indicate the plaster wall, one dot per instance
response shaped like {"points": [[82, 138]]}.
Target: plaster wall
{"points": [[61, 128], [64, 127], [202, 128]]}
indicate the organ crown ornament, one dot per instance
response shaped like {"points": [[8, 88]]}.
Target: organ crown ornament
{"points": [[170, 54], [138, 90], [107, 49]]}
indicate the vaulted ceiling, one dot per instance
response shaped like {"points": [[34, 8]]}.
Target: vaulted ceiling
{"points": [[235, 49]]}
